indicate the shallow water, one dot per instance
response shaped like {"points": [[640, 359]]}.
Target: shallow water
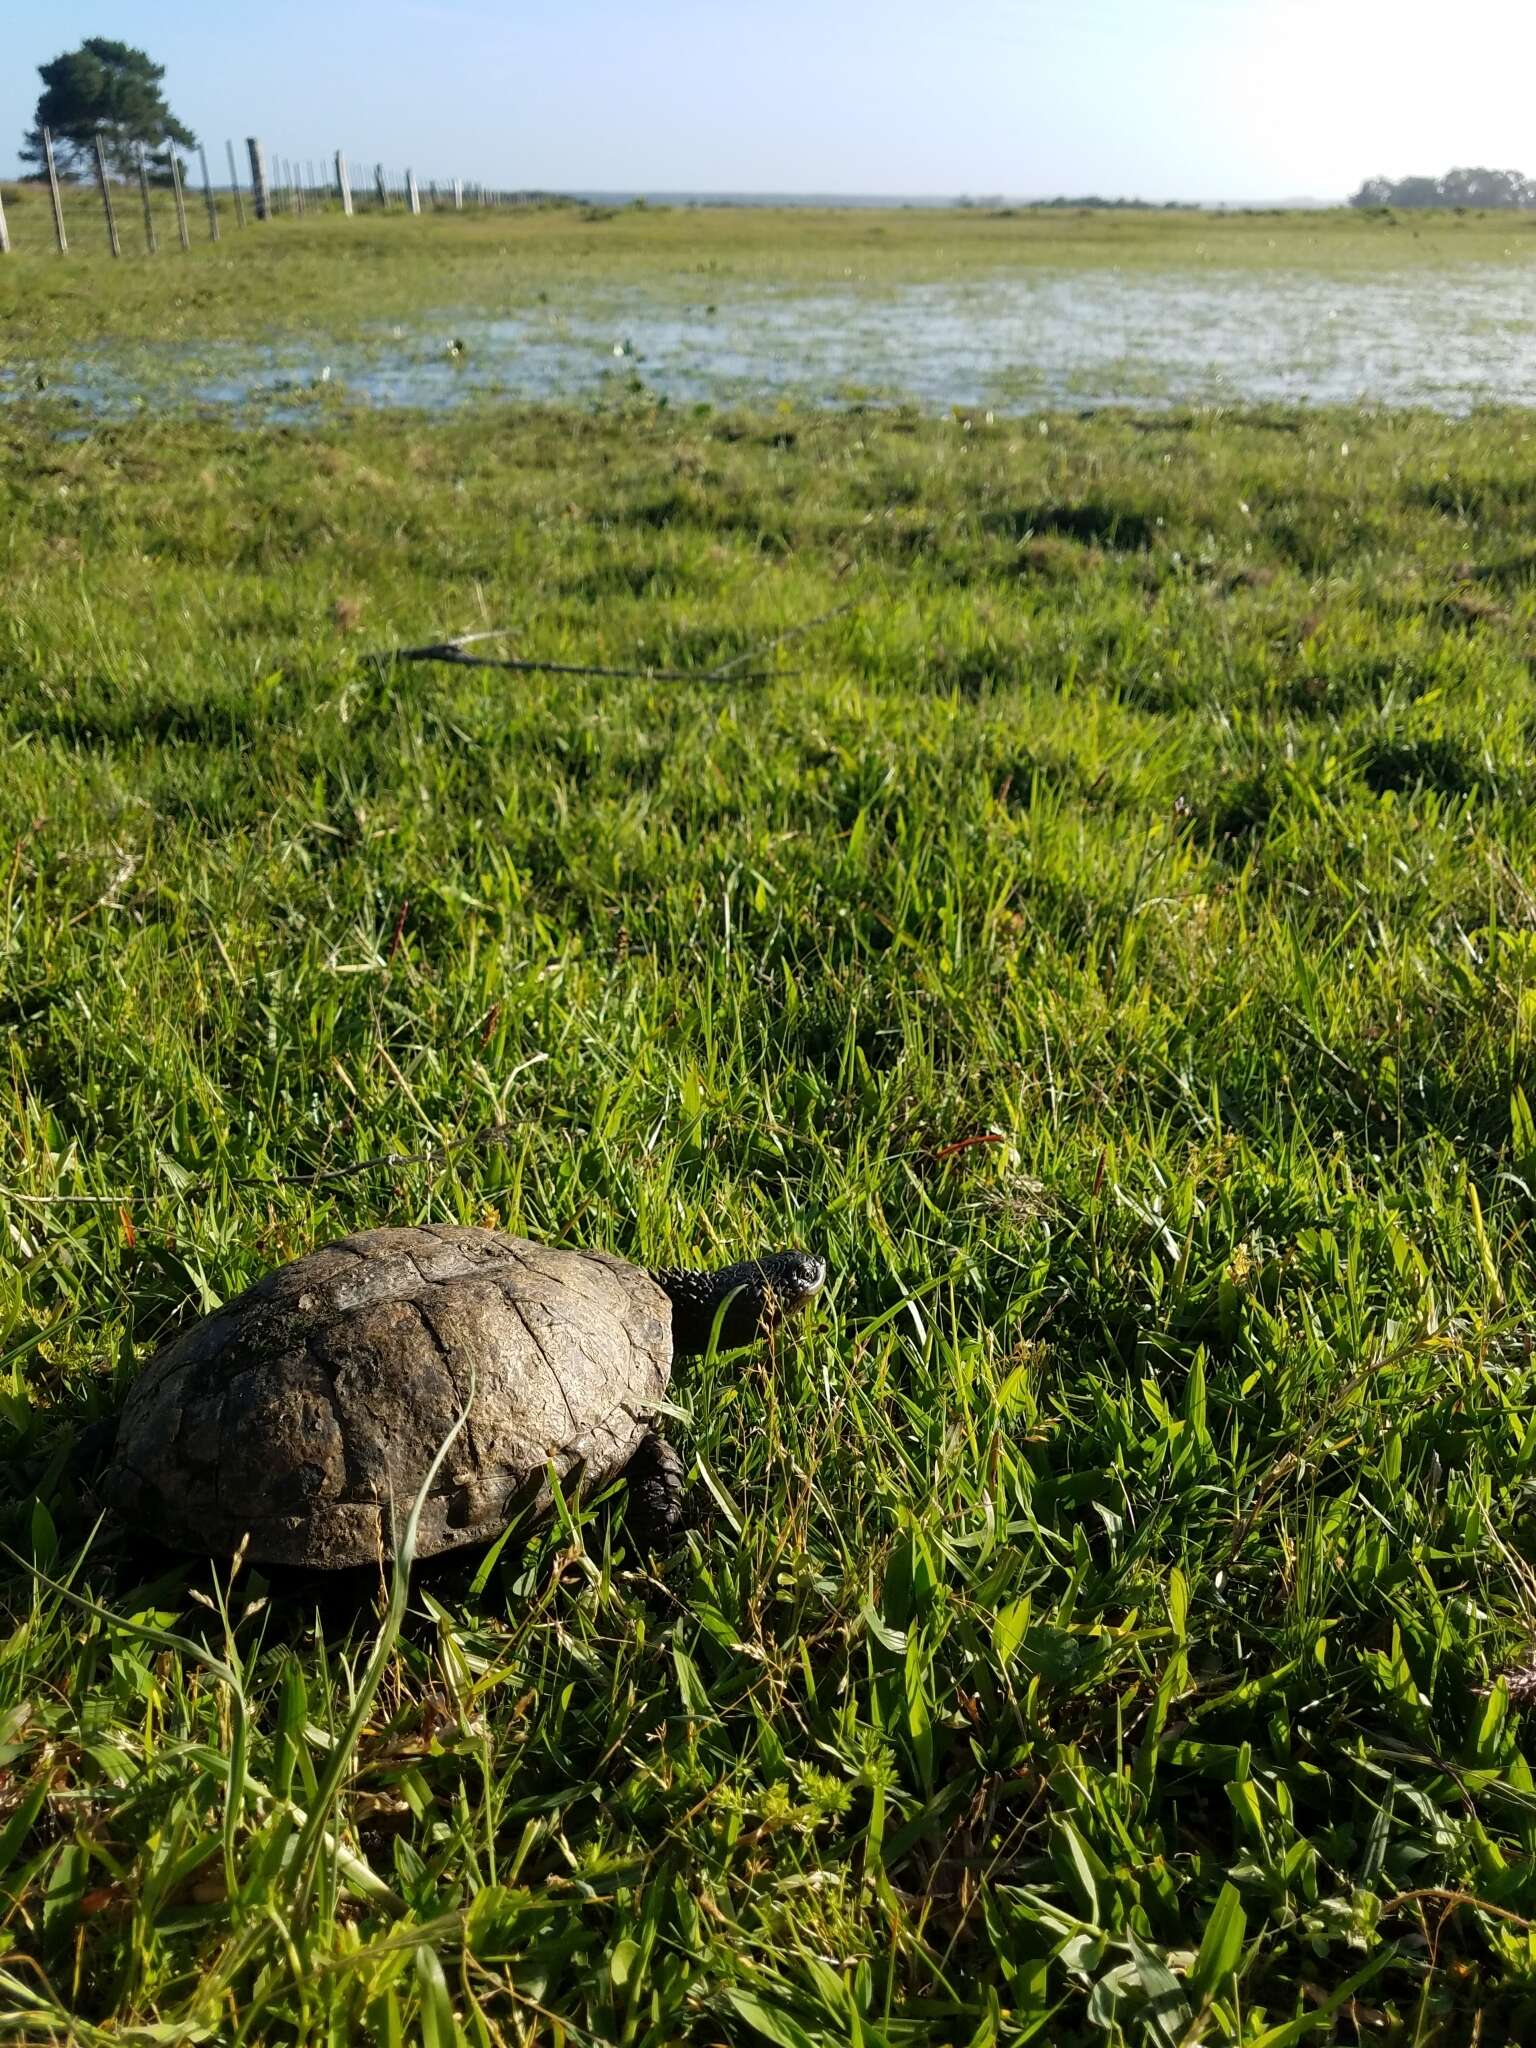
{"points": [[1451, 339]]}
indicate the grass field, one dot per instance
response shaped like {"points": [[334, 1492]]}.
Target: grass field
{"points": [[1105, 1620], [342, 277]]}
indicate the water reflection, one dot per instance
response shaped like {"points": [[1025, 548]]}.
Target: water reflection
{"points": [[1452, 340]]}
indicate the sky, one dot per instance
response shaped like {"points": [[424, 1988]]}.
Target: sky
{"points": [[1189, 99]]}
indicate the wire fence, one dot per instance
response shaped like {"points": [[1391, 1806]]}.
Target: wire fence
{"points": [[260, 188]]}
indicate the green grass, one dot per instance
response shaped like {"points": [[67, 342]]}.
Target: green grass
{"points": [[1098, 1622]]}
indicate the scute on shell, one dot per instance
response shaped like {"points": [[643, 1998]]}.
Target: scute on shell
{"points": [[302, 1412]]}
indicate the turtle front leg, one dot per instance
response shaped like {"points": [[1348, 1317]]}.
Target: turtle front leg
{"points": [[657, 1480]]}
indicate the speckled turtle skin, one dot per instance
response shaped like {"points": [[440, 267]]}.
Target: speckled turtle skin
{"points": [[302, 1411]]}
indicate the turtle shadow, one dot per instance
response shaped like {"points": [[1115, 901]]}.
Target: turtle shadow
{"points": [[120, 1566], [104, 1561]]}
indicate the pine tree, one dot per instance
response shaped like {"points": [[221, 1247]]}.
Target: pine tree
{"points": [[108, 89]]}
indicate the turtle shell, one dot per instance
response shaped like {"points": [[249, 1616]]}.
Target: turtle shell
{"points": [[306, 1413]]}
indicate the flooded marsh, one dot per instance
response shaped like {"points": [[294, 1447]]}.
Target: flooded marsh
{"points": [[938, 311]]}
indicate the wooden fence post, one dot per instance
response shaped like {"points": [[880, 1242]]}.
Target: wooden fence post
{"points": [[412, 191], [106, 199], [213, 211], [380, 187], [261, 198], [458, 195], [343, 185], [53, 192], [234, 185], [181, 201], [151, 240], [105, 191], [296, 187]]}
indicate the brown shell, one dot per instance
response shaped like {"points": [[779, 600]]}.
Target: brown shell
{"points": [[301, 1411]]}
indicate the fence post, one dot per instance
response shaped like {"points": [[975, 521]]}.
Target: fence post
{"points": [[213, 212], [261, 199], [151, 240], [181, 202], [380, 187], [5, 233], [343, 185], [106, 199], [53, 192], [413, 191], [234, 185], [458, 195], [296, 187]]}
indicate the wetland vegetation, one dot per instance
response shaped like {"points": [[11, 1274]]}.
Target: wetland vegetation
{"points": [[1107, 935]]}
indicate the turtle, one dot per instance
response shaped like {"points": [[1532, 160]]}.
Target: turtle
{"points": [[302, 1417]]}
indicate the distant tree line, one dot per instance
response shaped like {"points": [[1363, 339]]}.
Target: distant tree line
{"points": [[1088, 199], [1095, 200], [1465, 187]]}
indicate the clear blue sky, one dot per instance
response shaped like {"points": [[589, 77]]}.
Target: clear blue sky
{"points": [[1200, 99]]}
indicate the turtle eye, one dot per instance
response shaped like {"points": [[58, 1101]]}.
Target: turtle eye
{"points": [[796, 1277]]}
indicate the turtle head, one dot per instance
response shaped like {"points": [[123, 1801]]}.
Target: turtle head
{"points": [[754, 1295]]}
